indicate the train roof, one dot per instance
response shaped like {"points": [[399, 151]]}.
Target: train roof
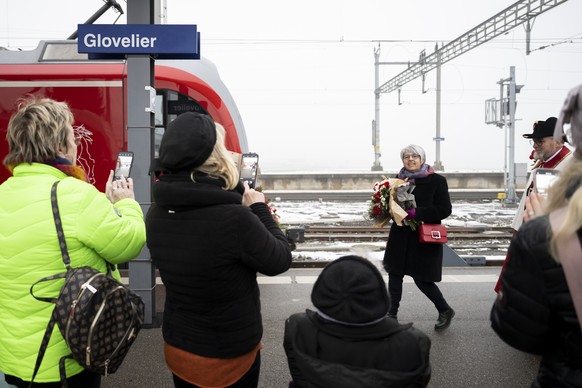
{"points": [[65, 51]]}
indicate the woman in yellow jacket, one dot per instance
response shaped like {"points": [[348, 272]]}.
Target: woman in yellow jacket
{"points": [[99, 228]]}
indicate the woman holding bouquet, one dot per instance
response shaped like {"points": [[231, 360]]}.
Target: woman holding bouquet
{"points": [[404, 254]]}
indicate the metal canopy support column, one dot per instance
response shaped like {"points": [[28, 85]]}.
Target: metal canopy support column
{"points": [[438, 165], [140, 123], [377, 166], [511, 197], [502, 113]]}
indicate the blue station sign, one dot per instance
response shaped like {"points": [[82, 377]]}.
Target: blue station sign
{"points": [[164, 41]]}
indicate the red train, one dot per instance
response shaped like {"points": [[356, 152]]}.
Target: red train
{"points": [[97, 94]]}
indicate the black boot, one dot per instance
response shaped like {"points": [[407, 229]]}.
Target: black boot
{"points": [[392, 315], [444, 319]]}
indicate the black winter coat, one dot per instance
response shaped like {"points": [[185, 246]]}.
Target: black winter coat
{"points": [[208, 248], [323, 354], [404, 255], [534, 312]]}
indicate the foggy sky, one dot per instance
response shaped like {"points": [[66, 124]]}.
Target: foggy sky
{"points": [[302, 73]]}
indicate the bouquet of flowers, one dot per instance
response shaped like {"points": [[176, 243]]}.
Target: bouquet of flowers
{"points": [[390, 200], [273, 211]]}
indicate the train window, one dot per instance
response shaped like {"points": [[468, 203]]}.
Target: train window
{"points": [[62, 51], [159, 113]]}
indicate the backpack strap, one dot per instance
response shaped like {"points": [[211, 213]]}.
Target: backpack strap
{"points": [[67, 261], [571, 259], [44, 344], [59, 227]]}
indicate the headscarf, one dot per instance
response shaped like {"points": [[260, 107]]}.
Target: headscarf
{"points": [[425, 170], [67, 167]]}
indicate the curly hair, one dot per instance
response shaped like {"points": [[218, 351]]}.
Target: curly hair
{"points": [[37, 131]]}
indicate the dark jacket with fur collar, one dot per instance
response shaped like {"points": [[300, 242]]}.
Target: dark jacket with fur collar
{"points": [[208, 249]]}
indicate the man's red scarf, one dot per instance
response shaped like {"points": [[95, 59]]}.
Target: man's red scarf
{"points": [[552, 163]]}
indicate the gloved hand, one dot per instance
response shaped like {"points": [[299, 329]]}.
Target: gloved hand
{"points": [[411, 214]]}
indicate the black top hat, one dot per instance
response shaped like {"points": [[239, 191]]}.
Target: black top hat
{"points": [[542, 129]]}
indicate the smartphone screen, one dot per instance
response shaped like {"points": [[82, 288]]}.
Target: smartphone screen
{"points": [[543, 179], [249, 168], [123, 165]]}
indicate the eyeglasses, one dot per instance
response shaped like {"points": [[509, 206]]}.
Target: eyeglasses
{"points": [[411, 156], [537, 142]]}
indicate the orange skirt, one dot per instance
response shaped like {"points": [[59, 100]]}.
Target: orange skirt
{"points": [[208, 372]]}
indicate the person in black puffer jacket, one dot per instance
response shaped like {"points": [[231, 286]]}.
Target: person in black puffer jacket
{"points": [[534, 310], [209, 236], [349, 341]]}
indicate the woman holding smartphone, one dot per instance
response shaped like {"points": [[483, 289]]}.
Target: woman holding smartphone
{"points": [[209, 235], [100, 229]]}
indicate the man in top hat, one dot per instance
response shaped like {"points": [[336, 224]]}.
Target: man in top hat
{"points": [[548, 152]]}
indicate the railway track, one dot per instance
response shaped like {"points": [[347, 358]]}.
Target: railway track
{"points": [[492, 240], [364, 195]]}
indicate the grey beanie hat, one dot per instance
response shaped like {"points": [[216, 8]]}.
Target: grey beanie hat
{"points": [[187, 142], [351, 291]]}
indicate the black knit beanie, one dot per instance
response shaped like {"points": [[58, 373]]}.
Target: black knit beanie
{"points": [[351, 290], [187, 142]]}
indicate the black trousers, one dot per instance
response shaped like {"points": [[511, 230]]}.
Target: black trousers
{"points": [[430, 289], [84, 379], [248, 380]]}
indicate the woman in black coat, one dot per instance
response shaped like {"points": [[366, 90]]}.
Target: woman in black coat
{"points": [[209, 236], [404, 254]]}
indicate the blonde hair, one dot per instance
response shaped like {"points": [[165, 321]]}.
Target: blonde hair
{"points": [[220, 163], [37, 131], [566, 192]]}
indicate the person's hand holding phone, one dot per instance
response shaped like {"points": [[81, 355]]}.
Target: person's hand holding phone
{"points": [[249, 168], [251, 196], [118, 189], [534, 204]]}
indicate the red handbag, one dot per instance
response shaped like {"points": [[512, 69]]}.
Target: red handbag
{"points": [[432, 234]]}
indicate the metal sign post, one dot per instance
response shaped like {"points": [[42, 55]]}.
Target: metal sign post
{"points": [[140, 129], [140, 41]]}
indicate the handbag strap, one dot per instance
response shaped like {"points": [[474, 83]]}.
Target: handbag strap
{"points": [[571, 259]]}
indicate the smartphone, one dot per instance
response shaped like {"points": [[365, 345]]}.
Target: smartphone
{"points": [[248, 168], [123, 165], [543, 179]]}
